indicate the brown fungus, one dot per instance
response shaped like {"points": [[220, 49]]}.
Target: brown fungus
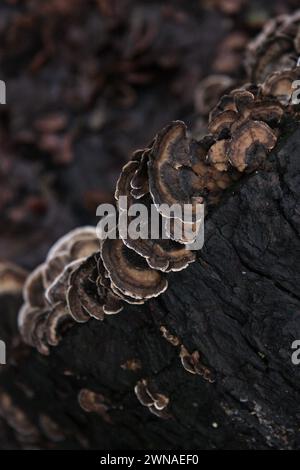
{"points": [[34, 288], [172, 339], [12, 278], [132, 364], [139, 182], [267, 110], [86, 294], [162, 254], [124, 182], [193, 365], [130, 273], [57, 323], [34, 311], [126, 298], [184, 233], [248, 105], [279, 85], [171, 176], [82, 278], [222, 122], [56, 292], [218, 155], [157, 403], [28, 321], [275, 49], [225, 103], [209, 91], [45, 316], [133, 179], [93, 402], [64, 244], [77, 282], [249, 145], [212, 181]]}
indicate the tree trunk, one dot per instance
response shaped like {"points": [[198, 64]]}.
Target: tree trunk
{"points": [[238, 306]]}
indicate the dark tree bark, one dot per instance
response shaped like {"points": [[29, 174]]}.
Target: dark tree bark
{"points": [[238, 306]]}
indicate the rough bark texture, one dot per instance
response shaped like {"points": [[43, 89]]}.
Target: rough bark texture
{"points": [[238, 305]]}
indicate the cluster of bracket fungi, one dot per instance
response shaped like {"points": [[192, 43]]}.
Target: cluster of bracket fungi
{"points": [[83, 277]]}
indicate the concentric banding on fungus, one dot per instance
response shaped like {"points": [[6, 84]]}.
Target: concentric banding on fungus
{"points": [[64, 243], [168, 255], [225, 103], [249, 145], [124, 297], [155, 402], [188, 232], [164, 255], [130, 273], [84, 283], [248, 105], [267, 57], [56, 292], [125, 178], [222, 121], [133, 180], [54, 267], [139, 182], [171, 176], [209, 91], [279, 85], [58, 321], [75, 308], [267, 110], [243, 99], [84, 248]]}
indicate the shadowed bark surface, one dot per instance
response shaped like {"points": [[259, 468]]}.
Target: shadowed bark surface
{"points": [[238, 306]]}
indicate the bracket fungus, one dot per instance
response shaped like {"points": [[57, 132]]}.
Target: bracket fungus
{"points": [[276, 48], [209, 91], [45, 314], [172, 339], [132, 364], [130, 273], [192, 364], [87, 294], [250, 142], [170, 169], [160, 253], [251, 132], [279, 85], [12, 278], [84, 278], [157, 403], [93, 402]]}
